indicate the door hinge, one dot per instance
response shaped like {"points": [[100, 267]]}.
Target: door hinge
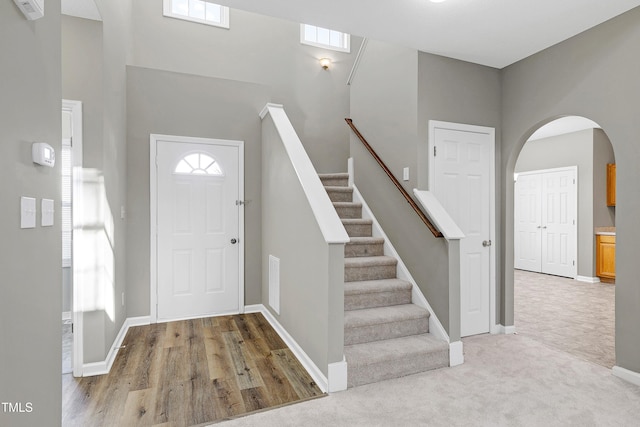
{"points": [[240, 202], [72, 328], [71, 142], [434, 150], [574, 262]]}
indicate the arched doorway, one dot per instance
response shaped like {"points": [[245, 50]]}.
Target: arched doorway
{"points": [[558, 298]]}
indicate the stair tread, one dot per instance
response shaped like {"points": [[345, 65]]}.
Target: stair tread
{"points": [[393, 349], [375, 286], [334, 175], [369, 261], [382, 315], [337, 188], [357, 221], [347, 204], [365, 240]]}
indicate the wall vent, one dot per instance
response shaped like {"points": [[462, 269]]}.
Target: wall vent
{"points": [[274, 283]]}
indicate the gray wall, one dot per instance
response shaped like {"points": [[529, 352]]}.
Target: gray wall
{"points": [[262, 50], [594, 75], [576, 149], [603, 215], [30, 307], [171, 103], [311, 270]]}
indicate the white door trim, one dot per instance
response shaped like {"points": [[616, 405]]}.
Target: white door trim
{"points": [[77, 310], [436, 124], [153, 213]]}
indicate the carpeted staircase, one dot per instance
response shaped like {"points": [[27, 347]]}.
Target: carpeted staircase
{"points": [[385, 335]]}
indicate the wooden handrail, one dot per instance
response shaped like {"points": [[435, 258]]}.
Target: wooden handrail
{"points": [[393, 179]]}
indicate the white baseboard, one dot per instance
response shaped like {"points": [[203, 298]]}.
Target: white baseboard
{"points": [[315, 372], [103, 367], [456, 353], [66, 315], [417, 297], [587, 279], [627, 375], [503, 330]]}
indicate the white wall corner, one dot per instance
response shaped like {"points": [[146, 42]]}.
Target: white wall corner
{"points": [[627, 375], [456, 353], [338, 376], [103, 367]]}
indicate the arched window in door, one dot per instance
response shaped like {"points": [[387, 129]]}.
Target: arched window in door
{"points": [[198, 164]]}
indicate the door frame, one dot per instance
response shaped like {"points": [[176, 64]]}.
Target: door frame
{"points": [[494, 328], [77, 310], [573, 169], [153, 212]]}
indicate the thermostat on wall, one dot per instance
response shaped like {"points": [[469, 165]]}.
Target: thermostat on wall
{"points": [[32, 9], [43, 154]]}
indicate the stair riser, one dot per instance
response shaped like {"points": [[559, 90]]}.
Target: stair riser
{"points": [[349, 212], [365, 374], [386, 331], [354, 274], [373, 249], [377, 299], [335, 182], [358, 230], [340, 196]]}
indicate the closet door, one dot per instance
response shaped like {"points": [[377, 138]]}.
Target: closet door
{"points": [[527, 219]]}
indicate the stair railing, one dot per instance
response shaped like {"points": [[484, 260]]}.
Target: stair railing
{"points": [[395, 181]]}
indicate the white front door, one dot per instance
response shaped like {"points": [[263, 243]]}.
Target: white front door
{"points": [[198, 257], [461, 180], [545, 220]]}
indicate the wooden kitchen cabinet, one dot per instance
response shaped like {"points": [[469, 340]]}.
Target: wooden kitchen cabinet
{"points": [[611, 184], [606, 258]]}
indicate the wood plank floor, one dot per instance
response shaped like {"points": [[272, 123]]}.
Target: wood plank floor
{"points": [[190, 373]]}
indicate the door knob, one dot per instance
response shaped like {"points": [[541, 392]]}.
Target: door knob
{"points": [[486, 243], [234, 241]]}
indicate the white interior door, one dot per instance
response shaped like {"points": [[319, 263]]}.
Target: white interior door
{"points": [[198, 258], [528, 222], [545, 221], [462, 180]]}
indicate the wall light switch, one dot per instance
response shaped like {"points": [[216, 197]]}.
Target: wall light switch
{"points": [[48, 211], [27, 212], [405, 174]]}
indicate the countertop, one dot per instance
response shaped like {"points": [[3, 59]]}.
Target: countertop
{"points": [[606, 231]]}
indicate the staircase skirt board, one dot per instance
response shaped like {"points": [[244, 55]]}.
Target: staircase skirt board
{"points": [[385, 335]]}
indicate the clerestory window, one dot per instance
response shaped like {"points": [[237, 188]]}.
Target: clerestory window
{"points": [[325, 38], [200, 11]]}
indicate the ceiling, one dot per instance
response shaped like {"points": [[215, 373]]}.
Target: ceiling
{"points": [[495, 33], [563, 125], [81, 8]]}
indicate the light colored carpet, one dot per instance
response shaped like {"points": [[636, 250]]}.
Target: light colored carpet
{"points": [[572, 316], [507, 380]]}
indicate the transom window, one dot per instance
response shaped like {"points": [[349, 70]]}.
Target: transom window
{"points": [[198, 164], [325, 38], [200, 11]]}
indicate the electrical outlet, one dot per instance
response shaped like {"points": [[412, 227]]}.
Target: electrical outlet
{"points": [[405, 174]]}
